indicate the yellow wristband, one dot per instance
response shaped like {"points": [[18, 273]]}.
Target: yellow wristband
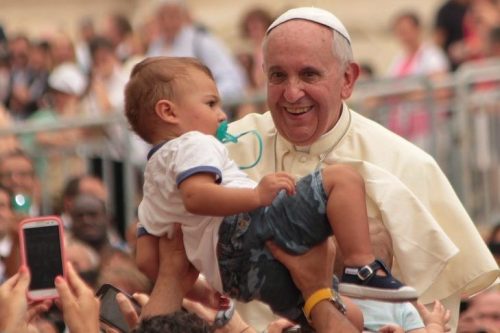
{"points": [[315, 298]]}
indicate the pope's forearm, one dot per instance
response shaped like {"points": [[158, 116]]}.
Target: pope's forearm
{"points": [[326, 319]]}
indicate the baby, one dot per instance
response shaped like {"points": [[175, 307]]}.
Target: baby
{"points": [[226, 218]]}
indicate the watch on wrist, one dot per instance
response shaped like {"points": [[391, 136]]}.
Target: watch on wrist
{"points": [[337, 301], [321, 295]]}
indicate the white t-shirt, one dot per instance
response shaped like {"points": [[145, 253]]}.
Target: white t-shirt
{"points": [[377, 314], [429, 59], [162, 203]]}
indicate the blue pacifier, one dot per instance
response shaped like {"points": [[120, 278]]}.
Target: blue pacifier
{"points": [[223, 136]]}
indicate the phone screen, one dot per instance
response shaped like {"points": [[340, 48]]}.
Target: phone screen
{"points": [[43, 255], [110, 312]]}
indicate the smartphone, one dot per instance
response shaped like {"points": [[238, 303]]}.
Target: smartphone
{"points": [[42, 251], [109, 312]]}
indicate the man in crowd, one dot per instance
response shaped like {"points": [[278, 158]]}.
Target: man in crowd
{"points": [[482, 313], [18, 175], [180, 37]]}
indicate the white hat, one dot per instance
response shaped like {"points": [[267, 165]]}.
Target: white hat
{"points": [[68, 78], [312, 14]]}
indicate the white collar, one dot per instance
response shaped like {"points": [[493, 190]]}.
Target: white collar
{"points": [[324, 145]]}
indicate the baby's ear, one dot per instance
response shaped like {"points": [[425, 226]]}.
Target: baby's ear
{"points": [[165, 110]]}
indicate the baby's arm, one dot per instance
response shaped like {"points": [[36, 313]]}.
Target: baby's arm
{"points": [[203, 196]]}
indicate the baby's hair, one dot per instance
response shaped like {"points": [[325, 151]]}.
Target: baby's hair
{"points": [[152, 80]]}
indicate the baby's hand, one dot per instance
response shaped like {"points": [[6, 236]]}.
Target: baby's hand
{"points": [[272, 184], [439, 315]]}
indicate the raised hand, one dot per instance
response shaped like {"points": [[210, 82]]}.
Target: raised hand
{"points": [[77, 301], [271, 184]]}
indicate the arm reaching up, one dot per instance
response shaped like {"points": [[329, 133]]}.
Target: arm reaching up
{"points": [[203, 196], [176, 277], [311, 272]]}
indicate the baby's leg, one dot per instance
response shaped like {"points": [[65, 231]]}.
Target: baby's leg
{"points": [[346, 210], [146, 256], [364, 276]]}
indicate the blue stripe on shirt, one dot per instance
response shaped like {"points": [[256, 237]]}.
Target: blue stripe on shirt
{"points": [[199, 169]]}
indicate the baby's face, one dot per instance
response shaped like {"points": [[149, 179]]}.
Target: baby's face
{"points": [[198, 104]]}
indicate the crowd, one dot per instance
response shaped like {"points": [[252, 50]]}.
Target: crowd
{"points": [[417, 225]]}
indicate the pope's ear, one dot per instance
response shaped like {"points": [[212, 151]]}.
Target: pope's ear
{"points": [[165, 109], [351, 74]]}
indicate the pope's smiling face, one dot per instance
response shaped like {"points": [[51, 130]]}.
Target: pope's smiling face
{"points": [[306, 81]]}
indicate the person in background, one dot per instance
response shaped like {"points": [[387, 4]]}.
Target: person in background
{"points": [[62, 49], [8, 231], [105, 98], [481, 16], [418, 56], [493, 49], [13, 208], [118, 29], [253, 28], [367, 72], [493, 242], [17, 173], [4, 66], [449, 27], [8, 143], [86, 31], [91, 225], [67, 84], [28, 76], [181, 37], [482, 313], [108, 78], [74, 186]]}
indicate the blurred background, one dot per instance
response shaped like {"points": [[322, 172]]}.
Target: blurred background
{"points": [[367, 21]]}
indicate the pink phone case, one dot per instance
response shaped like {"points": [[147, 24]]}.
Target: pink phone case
{"points": [[23, 247]]}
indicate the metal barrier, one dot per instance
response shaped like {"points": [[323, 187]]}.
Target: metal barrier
{"points": [[103, 149], [455, 118]]}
